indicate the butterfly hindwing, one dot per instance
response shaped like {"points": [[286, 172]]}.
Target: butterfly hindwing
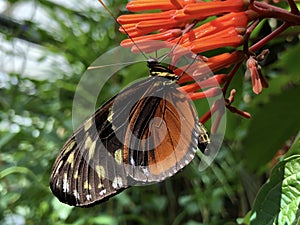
{"points": [[162, 134]]}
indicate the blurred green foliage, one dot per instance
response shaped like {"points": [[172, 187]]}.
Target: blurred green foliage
{"points": [[35, 121]]}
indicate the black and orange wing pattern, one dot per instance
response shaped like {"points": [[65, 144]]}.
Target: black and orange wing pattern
{"points": [[146, 133]]}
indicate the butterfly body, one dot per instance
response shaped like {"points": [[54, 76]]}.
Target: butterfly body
{"points": [[146, 133]]}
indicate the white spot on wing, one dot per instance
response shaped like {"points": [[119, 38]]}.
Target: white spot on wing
{"points": [[76, 194], [194, 150], [102, 192], [132, 161], [181, 165], [89, 197], [195, 140], [65, 183], [145, 171], [195, 133], [117, 182]]}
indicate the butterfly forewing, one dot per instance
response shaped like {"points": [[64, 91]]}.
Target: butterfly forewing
{"points": [[87, 170]]}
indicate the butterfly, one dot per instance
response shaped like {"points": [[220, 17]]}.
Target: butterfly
{"points": [[145, 134]]}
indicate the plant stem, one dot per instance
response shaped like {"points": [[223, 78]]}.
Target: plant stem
{"points": [[270, 11], [269, 37]]}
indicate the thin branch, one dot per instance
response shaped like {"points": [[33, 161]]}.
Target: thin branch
{"points": [[294, 8], [230, 76], [270, 11], [247, 35], [269, 37]]}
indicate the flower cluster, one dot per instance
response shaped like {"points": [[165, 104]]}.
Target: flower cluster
{"points": [[203, 26]]}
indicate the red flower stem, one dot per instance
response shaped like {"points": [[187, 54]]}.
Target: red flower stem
{"points": [[269, 37], [216, 124], [247, 35], [270, 11], [293, 6], [230, 76], [206, 117], [214, 109]]}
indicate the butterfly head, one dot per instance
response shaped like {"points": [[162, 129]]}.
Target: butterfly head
{"points": [[159, 70]]}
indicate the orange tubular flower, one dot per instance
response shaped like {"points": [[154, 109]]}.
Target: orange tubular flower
{"points": [[174, 24], [258, 81], [200, 27]]}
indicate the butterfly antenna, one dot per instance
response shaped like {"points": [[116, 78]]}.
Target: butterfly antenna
{"points": [[186, 69], [114, 64], [188, 28], [108, 10]]}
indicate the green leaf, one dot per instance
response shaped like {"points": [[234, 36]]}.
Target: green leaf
{"points": [[63, 211], [289, 61], [245, 220], [295, 148], [278, 200], [6, 138], [23, 171], [272, 124], [104, 220]]}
